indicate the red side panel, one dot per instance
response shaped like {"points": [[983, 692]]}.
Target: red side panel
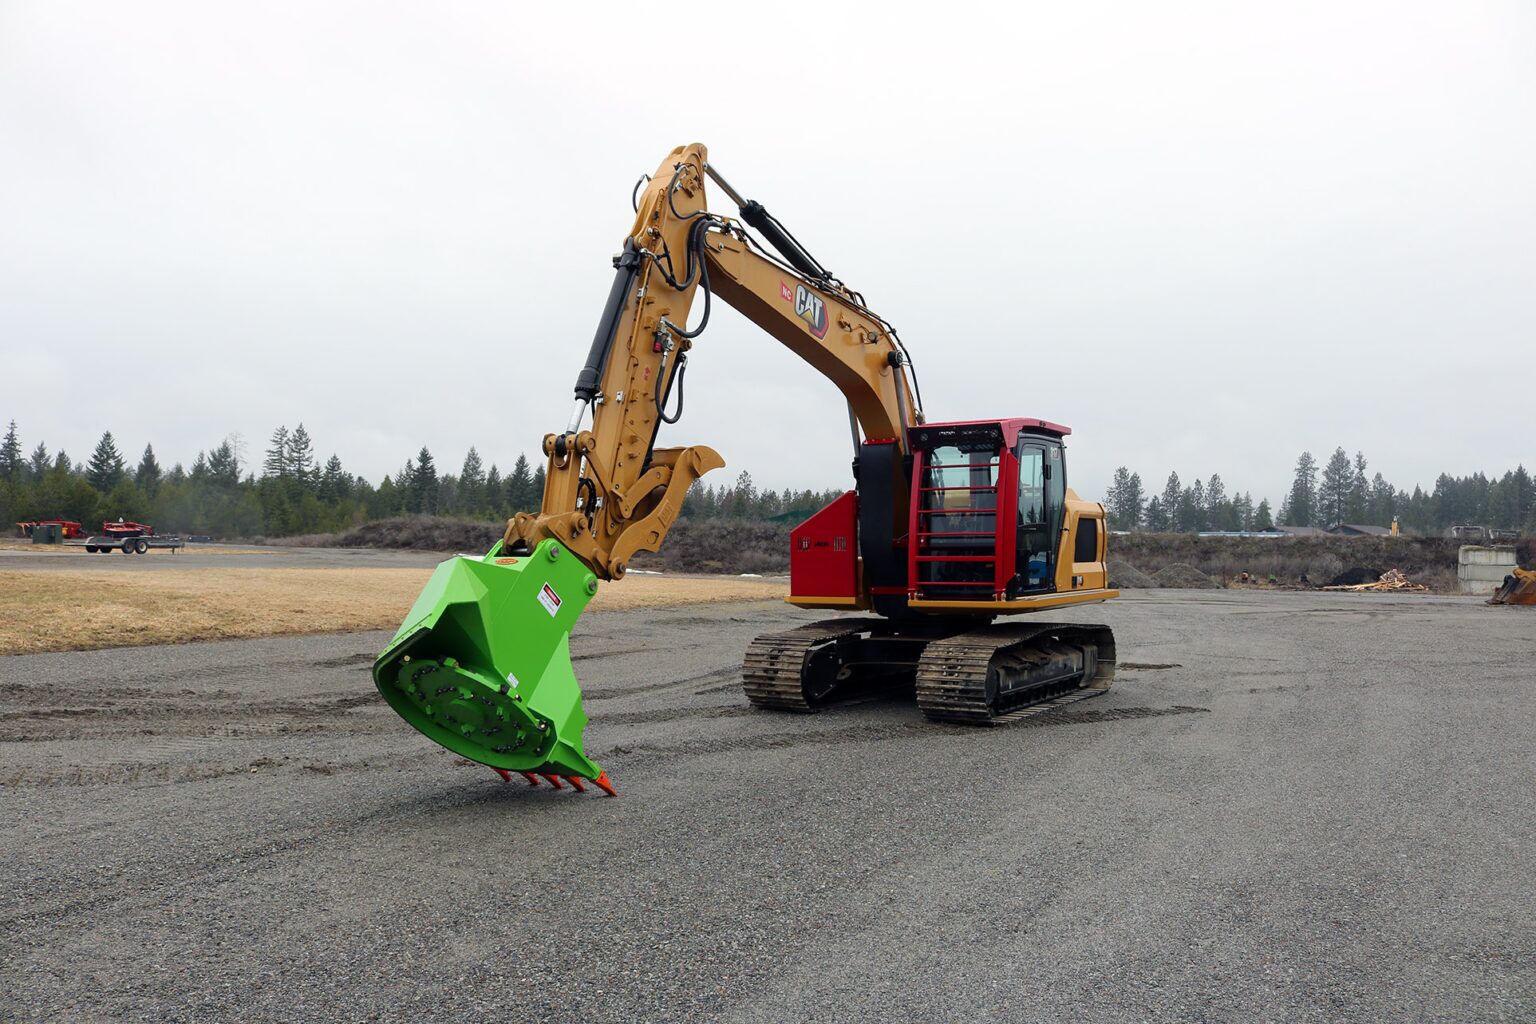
{"points": [[824, 552]]}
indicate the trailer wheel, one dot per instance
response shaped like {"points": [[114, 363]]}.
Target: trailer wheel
{"points": [[90, 549], [128, 546], [140, 546]]}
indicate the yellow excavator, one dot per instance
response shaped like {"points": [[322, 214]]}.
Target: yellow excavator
{"points": [[949, 527]]}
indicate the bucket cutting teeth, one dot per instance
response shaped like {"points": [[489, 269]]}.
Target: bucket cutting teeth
{"points": [[574, 781]]}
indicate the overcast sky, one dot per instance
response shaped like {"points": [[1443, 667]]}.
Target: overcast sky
{"points": [[1206, 236]]}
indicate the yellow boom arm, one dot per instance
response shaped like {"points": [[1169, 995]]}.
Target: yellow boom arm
{"points": [[608, 490]]}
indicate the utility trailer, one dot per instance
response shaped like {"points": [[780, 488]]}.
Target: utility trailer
{"points": [[129, 538], [129, 545]]}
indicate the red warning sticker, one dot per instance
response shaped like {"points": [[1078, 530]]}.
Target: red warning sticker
{"points": [[549, 599]]}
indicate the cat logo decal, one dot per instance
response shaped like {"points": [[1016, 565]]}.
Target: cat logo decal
{"points": [[810, 308]]}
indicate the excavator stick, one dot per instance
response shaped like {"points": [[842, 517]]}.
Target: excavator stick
{"points": [[1519, 587], [482, 664]]}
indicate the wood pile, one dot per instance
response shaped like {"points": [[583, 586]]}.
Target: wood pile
{"points": [[1392, 580]]}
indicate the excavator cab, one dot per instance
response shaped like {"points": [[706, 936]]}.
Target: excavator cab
{"points": [[993, 522]]}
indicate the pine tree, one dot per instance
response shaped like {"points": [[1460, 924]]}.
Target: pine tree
{"points": [[147, 476], [11, 461], [1358, 508], [275, 465], [1172, 491], [106, 469], [1191, 515], [335, 485], [1300, 508], [1242, 512], [1218, 509], [744, 496], [224, 465], [1525, 494], [521, 496], [537, 489], [1156, 517], [1125, 502], [1503, 509], [1261, 517], [1383, 503], [40, 461], [494, 492], [424, 483], [1333, 493], [471, 490], [301, 456]]}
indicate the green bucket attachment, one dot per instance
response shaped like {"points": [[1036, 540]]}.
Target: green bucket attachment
{"points": [[482, 665]]}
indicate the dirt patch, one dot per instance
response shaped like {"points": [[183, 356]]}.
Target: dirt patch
{"points": [[67, 610], [1125, 576], [1182, 576]]}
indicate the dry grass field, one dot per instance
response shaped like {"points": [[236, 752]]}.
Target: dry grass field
{"points": [[69, 610]]}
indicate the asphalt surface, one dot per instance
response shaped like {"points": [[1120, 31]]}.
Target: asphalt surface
{"points": [[1290, 808], [214, 556]]}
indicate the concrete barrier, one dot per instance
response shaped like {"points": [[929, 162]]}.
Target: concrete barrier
{"points": [[1481, 568]]}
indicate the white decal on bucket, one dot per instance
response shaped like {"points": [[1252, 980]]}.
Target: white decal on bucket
{"points": [[549, 599]]}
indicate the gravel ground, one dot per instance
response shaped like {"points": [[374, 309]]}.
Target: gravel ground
{"points": [[1292, 807]]}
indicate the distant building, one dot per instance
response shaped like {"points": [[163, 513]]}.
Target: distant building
{"points": [[1300, 531], [1360, 530]]}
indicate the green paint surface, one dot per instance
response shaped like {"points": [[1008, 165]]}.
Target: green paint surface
{"points": [[482, 664]]}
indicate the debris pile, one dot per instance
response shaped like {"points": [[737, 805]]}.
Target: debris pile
{"points": [[1183, 576], [1125, 576], [1392, 580], [1353, 577]]}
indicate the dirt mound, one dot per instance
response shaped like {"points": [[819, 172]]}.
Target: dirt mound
{"points": [[1354, 577], [1183, 576], [1125, 576]]}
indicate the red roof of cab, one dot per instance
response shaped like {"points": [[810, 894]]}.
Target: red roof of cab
{"points": [[1012, 427]]}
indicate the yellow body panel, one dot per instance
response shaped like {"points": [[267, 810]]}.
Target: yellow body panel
{"points": [[858, 603]]}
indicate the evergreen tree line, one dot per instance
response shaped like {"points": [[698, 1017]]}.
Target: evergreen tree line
{"points": [[1342, 491], [293, 491]]}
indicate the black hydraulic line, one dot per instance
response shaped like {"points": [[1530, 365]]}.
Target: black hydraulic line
{"points": [[677, 172], [703, 287], [627, 265], [694, 262], [778, 236], [677, 383]]}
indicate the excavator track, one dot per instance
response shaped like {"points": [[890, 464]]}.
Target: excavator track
{"points": [[798, 670], [984, 676], [998, 674]]}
